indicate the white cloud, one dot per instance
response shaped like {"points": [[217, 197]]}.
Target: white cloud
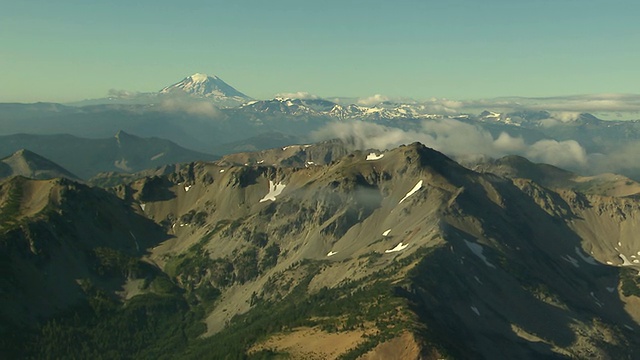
{"points": [[567, 154], [372, 100], [193, 107], [297, 95], [121, 93], [508, 144], [566, 116], [563, 105], [365, 135], [457, 139]]}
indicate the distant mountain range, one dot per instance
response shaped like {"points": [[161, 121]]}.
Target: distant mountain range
{"points": [[87, 157], [316, 235], [208, 115], [29, 164]]}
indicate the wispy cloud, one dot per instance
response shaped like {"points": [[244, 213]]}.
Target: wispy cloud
{"points": [[574, 104], [458, 139], [372, 100], [193, 107], [297, 95], [121, 93]]}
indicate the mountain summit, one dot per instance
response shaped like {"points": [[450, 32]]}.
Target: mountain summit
{"points": [[29, 164], [203, 85]]}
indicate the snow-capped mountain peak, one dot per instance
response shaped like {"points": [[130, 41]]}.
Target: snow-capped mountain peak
{"points": [[199, 78], [207, 86]]}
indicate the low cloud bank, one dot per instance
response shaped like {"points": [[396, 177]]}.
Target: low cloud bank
{"points": [[302, 95], [467, 141], [616, 105], [189, 106]]}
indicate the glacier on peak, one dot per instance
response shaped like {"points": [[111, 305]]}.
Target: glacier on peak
{"points": [[198, 77]]}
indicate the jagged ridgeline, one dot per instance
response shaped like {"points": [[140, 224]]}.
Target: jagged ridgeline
{"points": [[314, 252]]}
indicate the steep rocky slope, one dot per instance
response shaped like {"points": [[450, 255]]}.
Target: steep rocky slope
{"points": [[397, 252]]}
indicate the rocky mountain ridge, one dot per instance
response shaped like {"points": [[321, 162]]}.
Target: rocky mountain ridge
{"points": [[456, 263]]}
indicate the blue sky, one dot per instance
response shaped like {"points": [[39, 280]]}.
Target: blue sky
{"points": [[70, 50]]}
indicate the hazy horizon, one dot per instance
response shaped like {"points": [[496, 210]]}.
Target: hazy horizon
{"points": [[68, 51]]}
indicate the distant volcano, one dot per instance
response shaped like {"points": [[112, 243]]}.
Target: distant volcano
{"points": [[203, 85]]}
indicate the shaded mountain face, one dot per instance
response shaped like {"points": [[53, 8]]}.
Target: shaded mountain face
{"points": [[123, 152], [373, 252], [53, 234], [28, 164]]}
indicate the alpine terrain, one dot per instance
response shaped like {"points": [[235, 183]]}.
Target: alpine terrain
{"points": [[319, 251]]}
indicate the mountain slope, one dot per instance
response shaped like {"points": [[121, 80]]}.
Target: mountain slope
{"points": [[202, 85], [553, 177], [453, 240], [28, 164], [376, 252], [87, 157]]}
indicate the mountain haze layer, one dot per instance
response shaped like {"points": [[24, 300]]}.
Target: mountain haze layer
{"points": [[28, 164], [124, 153], [577, 141]]}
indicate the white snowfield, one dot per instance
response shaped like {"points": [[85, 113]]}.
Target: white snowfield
{"points": [[274, 190], [142, 206], [413, 191], [398, 247], [221, 170], [198, 77], [331, 253], [477, 250], [187, 188], [386, 233], [372, 156]]}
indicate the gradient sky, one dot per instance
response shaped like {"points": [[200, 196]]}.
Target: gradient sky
{"points": [[460, 49]]}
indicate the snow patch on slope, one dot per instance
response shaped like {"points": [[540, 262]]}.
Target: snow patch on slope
{"points": [[413, 191], [398, 247], [274, 190], [477, 250]]}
